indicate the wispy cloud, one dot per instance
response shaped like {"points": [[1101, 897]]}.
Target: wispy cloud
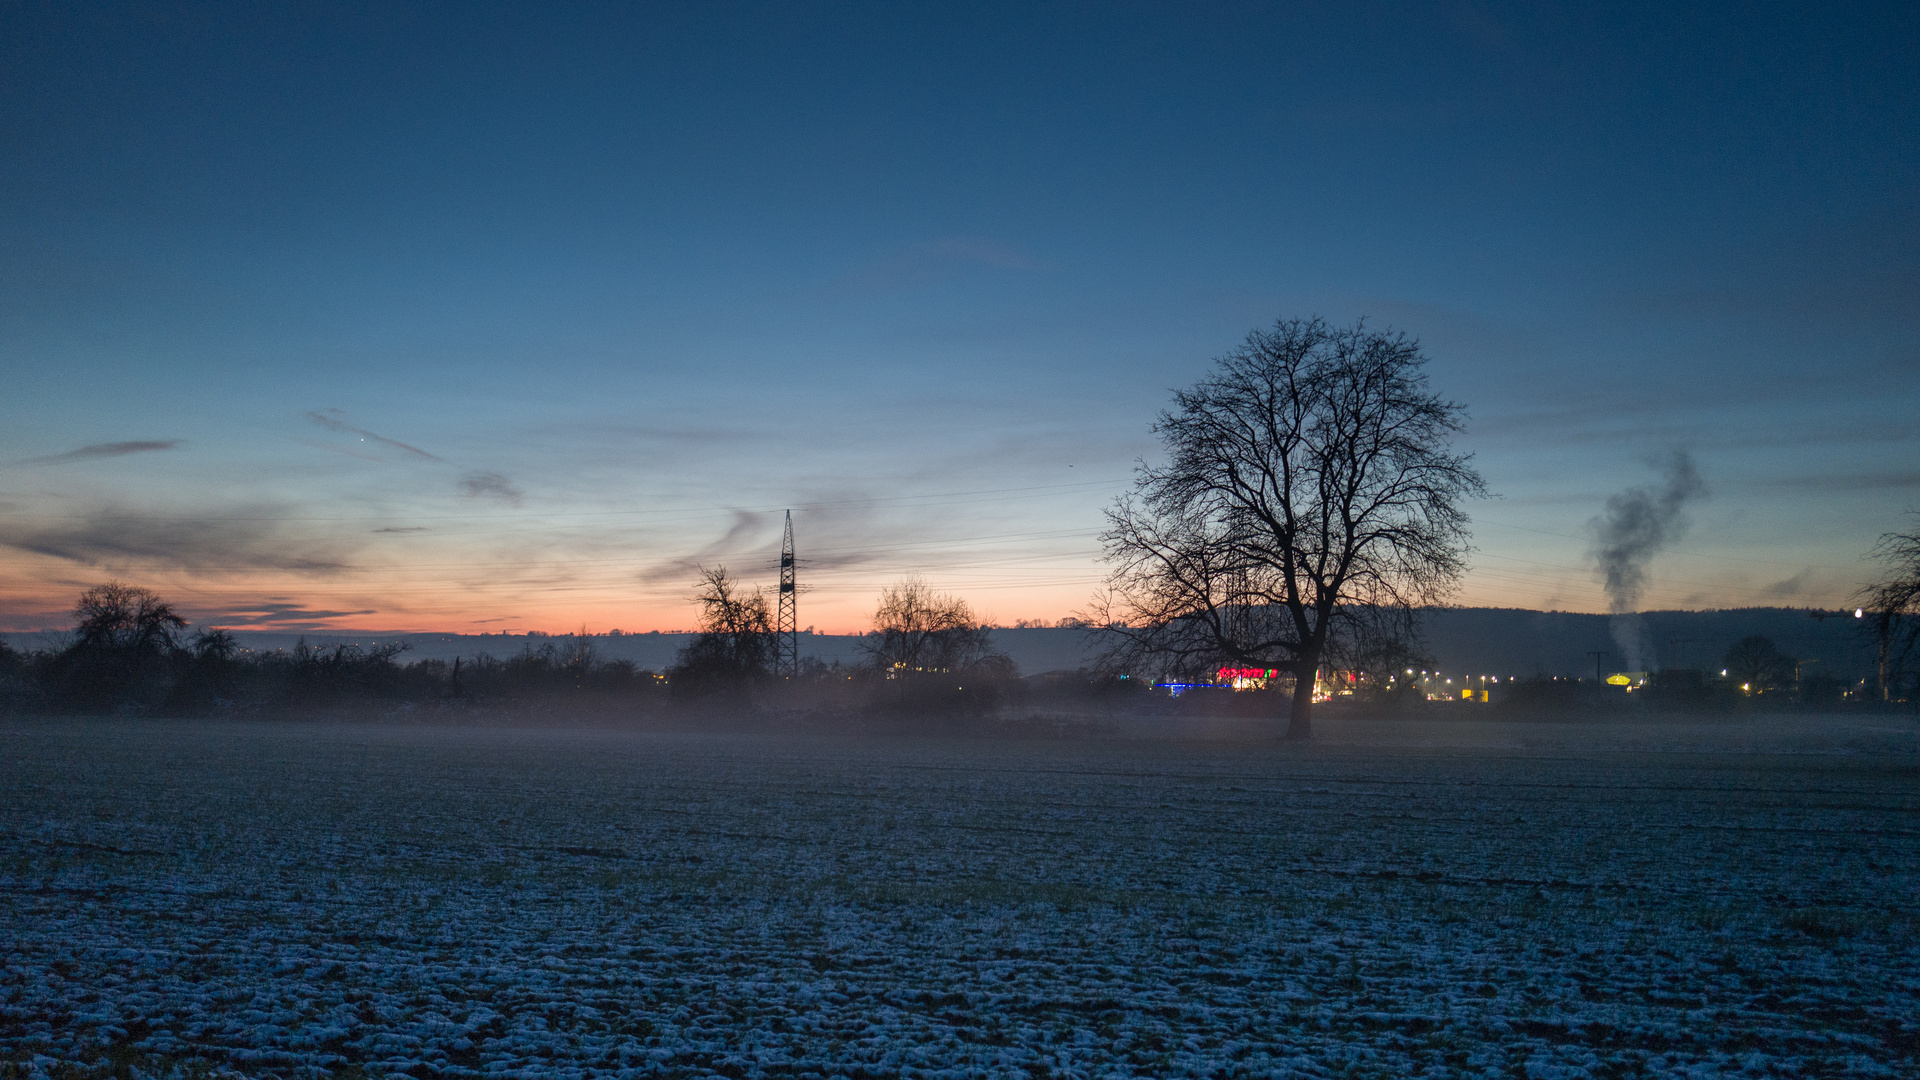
{"points": [[746, 524], [489, 485], [838, 531], [278, 614], [474, 484], [1796, 585], [248, 538], [336, 420], [106, 450]]}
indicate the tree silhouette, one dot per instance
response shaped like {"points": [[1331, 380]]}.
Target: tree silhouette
{"points": [[1892, 606], [1757, 665], [917, 629], [734, 650], [932, 655], [125, 642], [1309, 486], [116, 616]]}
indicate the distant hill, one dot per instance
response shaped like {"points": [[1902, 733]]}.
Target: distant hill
{"points": [[1487, 641]]}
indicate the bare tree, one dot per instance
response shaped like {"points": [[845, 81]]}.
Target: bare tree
{"points": [[126, 617], [919, 630], [126, 641], [735, 647], [1893, 608], [1757, 665], [1309, 499], [934, 658], [578, 657]]}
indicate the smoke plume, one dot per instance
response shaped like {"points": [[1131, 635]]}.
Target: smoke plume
{"points": [[1638, 523]]}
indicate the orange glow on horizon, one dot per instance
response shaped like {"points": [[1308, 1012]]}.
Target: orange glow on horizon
{"points": [[448, 595]]}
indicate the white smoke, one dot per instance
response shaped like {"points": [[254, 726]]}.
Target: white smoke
{"points": [[1638, 523]]}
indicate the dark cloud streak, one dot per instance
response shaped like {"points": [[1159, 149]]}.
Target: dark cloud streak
{"points": [[745, 524], [335, 420], [250, 538], [278, 614], [490, 485], [477, 484], [106, 450]]}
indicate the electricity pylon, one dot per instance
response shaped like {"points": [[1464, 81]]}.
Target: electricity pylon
{"points": [[786, 646]]}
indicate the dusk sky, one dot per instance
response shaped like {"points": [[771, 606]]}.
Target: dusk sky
{"points": [[482, 317]]}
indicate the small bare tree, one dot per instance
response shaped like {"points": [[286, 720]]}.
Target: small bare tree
{"points": [[1892, 607], [735, 646], [578, 657], [917, 629], [1309, 502], [934, 658], [126, 617], [1758, 665], [126, 640]]}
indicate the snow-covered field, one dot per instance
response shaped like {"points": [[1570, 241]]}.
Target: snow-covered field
{"points": [[1398, 900]]}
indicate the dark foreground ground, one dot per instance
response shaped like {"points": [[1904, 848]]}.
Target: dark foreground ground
{"points": [[1724, 899]]}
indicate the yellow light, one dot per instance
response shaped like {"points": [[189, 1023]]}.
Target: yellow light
{"points": [[1618, 680]]}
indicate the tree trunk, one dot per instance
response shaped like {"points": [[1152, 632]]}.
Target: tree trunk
{"points": [[1300, 715]]}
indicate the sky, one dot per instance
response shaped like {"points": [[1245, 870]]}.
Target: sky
{"points": [[505, 317]]}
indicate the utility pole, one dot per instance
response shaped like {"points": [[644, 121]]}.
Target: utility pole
{"points": [[1598, 675], [786, 647]]}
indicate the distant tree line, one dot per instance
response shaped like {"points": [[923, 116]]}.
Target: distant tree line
{"points": [[131, 653], [927, 655]]}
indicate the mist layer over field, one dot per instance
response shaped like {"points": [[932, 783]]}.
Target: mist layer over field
{"points": [[1398, 899]]}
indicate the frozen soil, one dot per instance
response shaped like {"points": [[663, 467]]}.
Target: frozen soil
{"points": [[304, 900]]}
